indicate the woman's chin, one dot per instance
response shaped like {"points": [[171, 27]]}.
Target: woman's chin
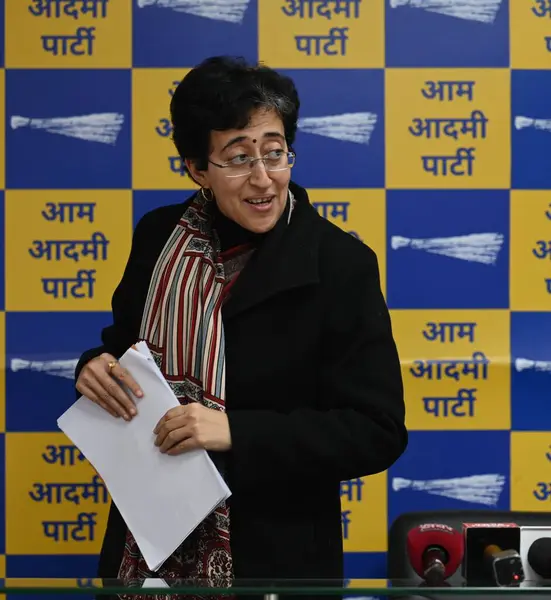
{"points": [[260, 220]]}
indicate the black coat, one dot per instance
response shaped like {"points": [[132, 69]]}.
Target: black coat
{"points": [[314, 390]]}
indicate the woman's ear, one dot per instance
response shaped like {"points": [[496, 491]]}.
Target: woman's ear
{"points": [[200, 177]]}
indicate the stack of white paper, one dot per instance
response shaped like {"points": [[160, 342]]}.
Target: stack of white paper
{"points": [[162, 498]]}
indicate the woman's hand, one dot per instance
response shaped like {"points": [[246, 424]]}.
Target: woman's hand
{"points": [[100, 383], [193, 426]]}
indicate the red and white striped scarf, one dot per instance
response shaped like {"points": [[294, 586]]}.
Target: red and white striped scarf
{"points": [[182, 325]]}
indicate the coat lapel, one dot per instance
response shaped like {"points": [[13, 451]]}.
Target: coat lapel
{"points": [[286, 259]]}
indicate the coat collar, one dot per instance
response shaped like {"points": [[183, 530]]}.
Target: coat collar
{"points": [[286, 259]]}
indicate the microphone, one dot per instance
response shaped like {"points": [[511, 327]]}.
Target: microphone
{"points": [[435, 551], [535, 552], [506, 565], [539, 557], [492, 554]]}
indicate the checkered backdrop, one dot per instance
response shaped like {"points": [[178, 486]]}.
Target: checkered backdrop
{"points": [[425, 131]]}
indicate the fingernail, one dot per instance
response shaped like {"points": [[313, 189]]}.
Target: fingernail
{"points": [[127, 417], [133, 411], [139, 393]]}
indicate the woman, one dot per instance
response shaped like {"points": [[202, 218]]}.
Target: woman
{"points": [[269, 324]]}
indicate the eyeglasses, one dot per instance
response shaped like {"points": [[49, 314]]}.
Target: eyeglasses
{"points": [[241, 165]]}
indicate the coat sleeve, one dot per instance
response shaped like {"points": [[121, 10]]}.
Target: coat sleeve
{"points": [[359, 429]]}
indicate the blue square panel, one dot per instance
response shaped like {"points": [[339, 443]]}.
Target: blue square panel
{"points": [[80, 570], [448, 249], [447, 33], [68, 129], [62, 566], [530, 371], [340, 140], [447, 470], [42, 350], [531, 129], [146, 201], [365, 565], [176, 33]]}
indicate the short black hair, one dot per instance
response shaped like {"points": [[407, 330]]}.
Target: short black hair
{"points": [[221, 93]]}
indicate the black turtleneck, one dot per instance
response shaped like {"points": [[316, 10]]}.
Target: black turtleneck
{"points": [[231, 234]]}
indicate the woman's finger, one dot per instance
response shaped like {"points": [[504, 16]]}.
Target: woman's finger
{"points": [[185, 446], [169, 438], [102, 393], [100, 374], [115, 391], [89, 393], [123, 376]]}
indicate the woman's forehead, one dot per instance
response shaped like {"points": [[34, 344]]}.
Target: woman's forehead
{"points": [[261, 128]]}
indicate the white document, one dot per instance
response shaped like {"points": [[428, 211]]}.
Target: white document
{"points": [[162, 498], [154, 583]]}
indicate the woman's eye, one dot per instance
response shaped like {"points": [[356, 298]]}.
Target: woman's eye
{"points": [[239, 159]]}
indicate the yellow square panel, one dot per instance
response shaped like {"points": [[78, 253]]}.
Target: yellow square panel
{"points": [[364, 514], [72, 246], [530, 281], [456, 368], [55, 505], [46, 34], [2, 128], [309, 34], [156, 164], [448, 128], [530, 35], [530, 465]]}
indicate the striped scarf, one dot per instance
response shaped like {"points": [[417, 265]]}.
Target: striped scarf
{"points": [[182, 325]]}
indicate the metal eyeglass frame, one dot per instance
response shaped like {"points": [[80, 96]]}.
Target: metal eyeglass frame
{"points": [[253, 161]]}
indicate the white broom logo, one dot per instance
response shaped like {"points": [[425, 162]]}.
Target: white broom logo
{"points": [[476, 489], [347, 127], [231, 11], [102, 128], [56, 368], [524, 364], [476, 247], [482, 11], [527, 122]]}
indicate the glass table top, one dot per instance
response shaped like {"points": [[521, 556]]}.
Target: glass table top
{"points": [[351, 588]]}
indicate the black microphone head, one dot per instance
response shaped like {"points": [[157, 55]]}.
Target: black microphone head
{"points": [[539, 557]]}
